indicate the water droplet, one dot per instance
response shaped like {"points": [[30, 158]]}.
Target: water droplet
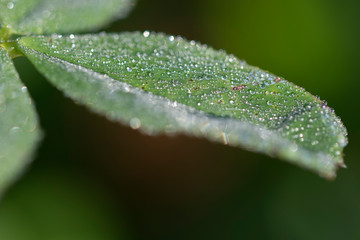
{"points": [[10, 5], [293, 148], [314, 142], [225, 138], [15, 129], [342, 141], [146, 34], [135, 123]]}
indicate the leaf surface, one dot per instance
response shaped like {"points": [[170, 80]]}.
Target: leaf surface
{"points": [[60, 16], [165, 84], [19, 131]]}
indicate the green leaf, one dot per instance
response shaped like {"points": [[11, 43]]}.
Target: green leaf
{"points": [[60, 16], [163, 84], [19, 131], [59, 204]]}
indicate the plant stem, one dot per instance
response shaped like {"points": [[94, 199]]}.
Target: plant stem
{"points": [[5, 34], [9, 45]]}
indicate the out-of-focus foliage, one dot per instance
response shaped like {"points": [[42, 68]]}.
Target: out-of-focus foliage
{"points": [[19, 130], [49, 16], [50, 206]]}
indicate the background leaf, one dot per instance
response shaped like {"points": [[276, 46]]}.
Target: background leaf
{"points": [[170, 85], [48, 205], [50, 16], [19, 131]]}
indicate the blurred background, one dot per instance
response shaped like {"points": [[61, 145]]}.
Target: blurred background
{"points": [[97, 180]]}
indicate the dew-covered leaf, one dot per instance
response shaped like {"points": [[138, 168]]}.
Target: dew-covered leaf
{"points": [[19, 132], [60, 16], [164, 84]]}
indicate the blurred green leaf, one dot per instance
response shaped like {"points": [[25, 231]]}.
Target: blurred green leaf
{"points": [[19, 132], [53, 205], [50, 16], [300, 39], [164, 84]]}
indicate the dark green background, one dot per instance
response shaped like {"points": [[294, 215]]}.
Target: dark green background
{"points": [[97, 180]]}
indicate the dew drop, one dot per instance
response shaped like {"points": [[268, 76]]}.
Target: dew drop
{"points": [[10, 5], [342, 141], [146, 34], [135, 123], [293, 148], [225, 138], [314, 142], [15, 129]]}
